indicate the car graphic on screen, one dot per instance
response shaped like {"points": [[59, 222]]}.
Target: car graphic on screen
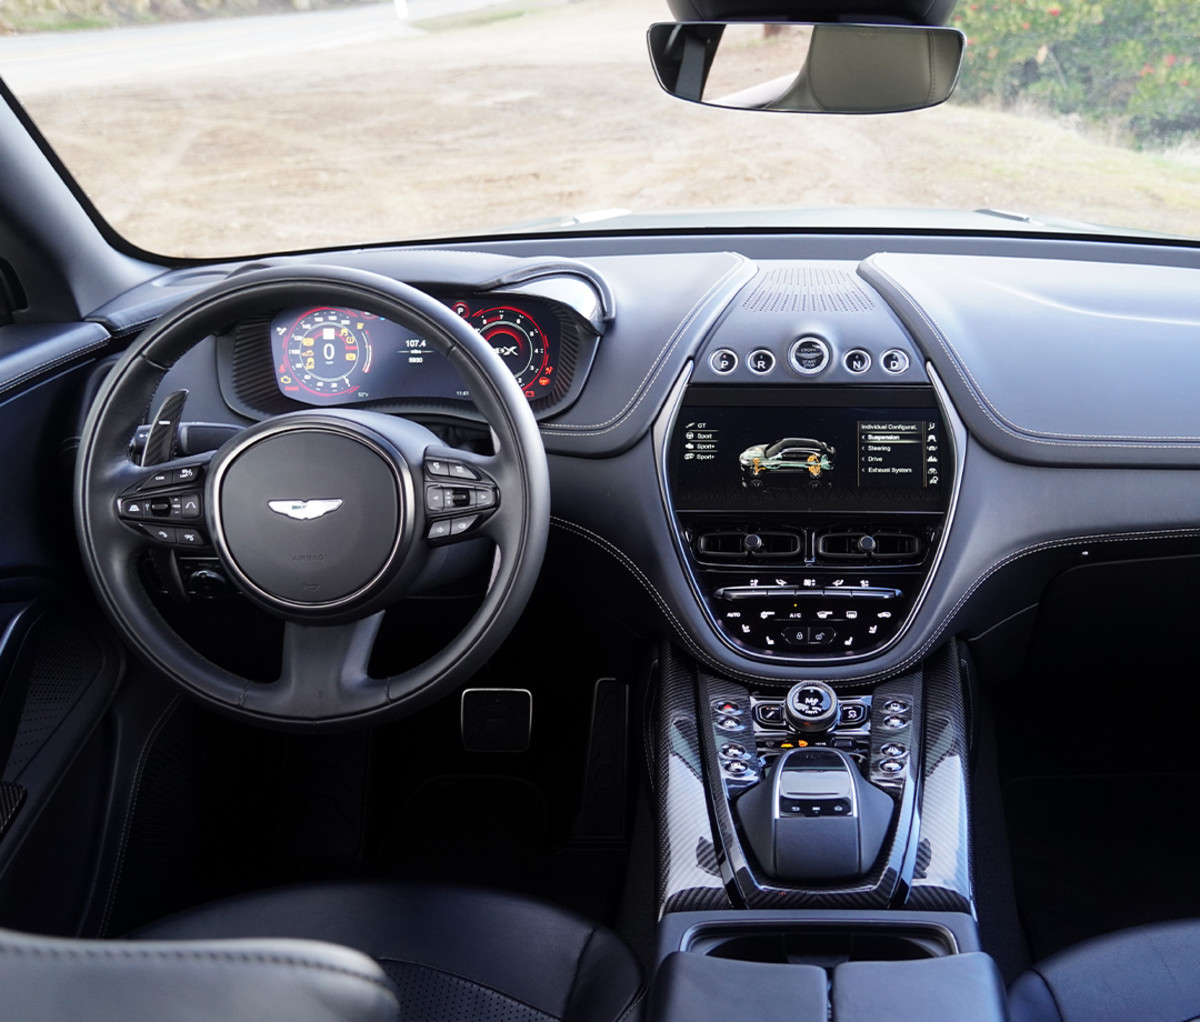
{"points": [[789, 456]]}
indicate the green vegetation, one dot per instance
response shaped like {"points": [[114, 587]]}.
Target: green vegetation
{"points": [[1135, 63]]}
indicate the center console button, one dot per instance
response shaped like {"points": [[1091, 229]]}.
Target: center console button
{"points": [[794, 635], [809, 355], [769, 714], [761, 361], [723, 361], [822, 635], [853, 714]]}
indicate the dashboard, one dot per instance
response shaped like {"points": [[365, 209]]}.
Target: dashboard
{"points": [[814, 464]]}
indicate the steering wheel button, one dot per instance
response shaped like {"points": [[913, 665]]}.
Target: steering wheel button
{"points": [[485, 497], [132, 507], [158, 480], [458, 497], [460, 525], [188, 537], [162, 533], [435, 498], [436, 467], [187, 474], [190, 503], [460, 471], [439, 530]]}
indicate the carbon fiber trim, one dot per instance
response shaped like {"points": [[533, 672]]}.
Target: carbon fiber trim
{"points": [[12, 797], [689, 868], [877, 888], [942, 878], [926, 859]]}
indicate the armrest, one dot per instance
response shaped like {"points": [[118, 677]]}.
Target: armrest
{"points": [[697, 988], [51, 980]]}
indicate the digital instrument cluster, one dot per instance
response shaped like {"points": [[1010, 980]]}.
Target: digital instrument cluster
{"points": [[329, 355]]}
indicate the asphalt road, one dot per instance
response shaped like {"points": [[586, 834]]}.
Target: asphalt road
{"points": [[64, 60]]}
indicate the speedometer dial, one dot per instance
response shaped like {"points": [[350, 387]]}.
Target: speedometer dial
{"points": [[328, 351], [520, 342]]}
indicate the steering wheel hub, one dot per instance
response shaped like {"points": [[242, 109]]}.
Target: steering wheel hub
{"points": [[308, 514]]}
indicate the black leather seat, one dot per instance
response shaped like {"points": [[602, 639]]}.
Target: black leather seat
{"points": [[453, 954], [1146, 974]]}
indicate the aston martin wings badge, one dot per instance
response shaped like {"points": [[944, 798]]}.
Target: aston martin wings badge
{"points": [[304, 510]]}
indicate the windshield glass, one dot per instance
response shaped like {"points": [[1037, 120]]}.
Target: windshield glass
{"points": [[355, 124]]}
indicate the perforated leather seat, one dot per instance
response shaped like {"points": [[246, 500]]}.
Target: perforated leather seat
{"points": [[1145, 974], [453, 954]]}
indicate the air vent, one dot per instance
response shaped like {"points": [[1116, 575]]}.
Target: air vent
{"points": [[807, 289], [858, 545], [743, 545]]}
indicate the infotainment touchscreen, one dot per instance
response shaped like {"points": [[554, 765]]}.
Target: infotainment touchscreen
{"points": [[854, 449]]}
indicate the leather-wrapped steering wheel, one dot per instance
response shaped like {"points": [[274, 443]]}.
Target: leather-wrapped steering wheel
{"points": [[322, 517]]}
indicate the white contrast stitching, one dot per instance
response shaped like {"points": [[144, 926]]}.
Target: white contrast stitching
{"points": [[642, 390], [979, 395]]}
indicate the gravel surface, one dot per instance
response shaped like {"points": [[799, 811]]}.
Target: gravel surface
{"points": [[463, 125]]}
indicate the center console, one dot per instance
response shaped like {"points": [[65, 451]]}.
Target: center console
{"points": [[814, 851], [809, 519]]}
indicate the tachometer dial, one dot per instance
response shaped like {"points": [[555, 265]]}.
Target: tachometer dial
{"points": [[520, 342], [328, 351]]}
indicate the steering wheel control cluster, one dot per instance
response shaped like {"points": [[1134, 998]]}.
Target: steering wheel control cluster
{"points": [[457, 498], [166, 506]]}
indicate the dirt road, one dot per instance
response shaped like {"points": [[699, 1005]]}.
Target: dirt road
{"points": [[550, 113]]}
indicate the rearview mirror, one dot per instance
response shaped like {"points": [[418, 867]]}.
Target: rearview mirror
{"points": [[825, 68]]}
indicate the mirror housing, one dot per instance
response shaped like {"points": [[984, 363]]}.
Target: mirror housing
{"points": [[821, 68]]}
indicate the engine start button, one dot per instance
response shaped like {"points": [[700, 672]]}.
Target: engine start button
{"points": [[809, 355]]}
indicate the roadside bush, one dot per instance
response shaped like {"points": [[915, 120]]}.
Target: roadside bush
{"points": [[1133, 61]]}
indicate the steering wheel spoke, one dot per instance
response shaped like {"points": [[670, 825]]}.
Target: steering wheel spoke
{"points": [[324, 669]]}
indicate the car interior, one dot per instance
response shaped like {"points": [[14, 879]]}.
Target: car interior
{"points": [[671, 624]]}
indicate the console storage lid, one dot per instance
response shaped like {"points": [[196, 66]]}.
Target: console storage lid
{"points": [[819, 965]]}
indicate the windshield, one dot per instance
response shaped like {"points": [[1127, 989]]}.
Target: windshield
{"points": [[376, 123]]}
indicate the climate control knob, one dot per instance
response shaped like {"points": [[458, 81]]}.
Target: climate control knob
{"points": [[811, 706]]}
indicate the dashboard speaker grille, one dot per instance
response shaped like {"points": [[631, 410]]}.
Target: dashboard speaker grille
{"points": [[807, 289]]}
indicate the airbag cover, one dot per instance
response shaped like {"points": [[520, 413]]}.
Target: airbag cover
{"points": [[310, 516]]}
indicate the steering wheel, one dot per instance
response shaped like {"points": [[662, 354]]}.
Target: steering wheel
{"points": [[323, 518]]}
